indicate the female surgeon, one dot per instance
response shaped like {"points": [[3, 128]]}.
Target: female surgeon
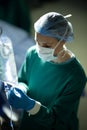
{"points": [[51, 78]]}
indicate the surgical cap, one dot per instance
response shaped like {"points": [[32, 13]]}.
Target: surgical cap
{"points": [[54, 25]]}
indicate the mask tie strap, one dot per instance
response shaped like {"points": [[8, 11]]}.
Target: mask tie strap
{"points": [[61, 38]]}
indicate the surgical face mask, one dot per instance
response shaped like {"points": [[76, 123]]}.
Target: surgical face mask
{"points": [[46, 54]]}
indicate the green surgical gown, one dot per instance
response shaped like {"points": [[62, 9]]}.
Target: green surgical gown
{"points": [[58, 87]]}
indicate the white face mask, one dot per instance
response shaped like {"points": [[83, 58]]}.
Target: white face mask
{"points": [[46, 54]]}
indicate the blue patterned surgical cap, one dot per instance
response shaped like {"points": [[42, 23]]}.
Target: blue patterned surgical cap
{"points": [[54, 25]]}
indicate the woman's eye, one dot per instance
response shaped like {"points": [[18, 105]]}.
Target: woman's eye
{"points": [[47, 46]]}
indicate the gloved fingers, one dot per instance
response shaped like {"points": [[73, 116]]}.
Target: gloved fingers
{"points": [[19, 99], [13, 101], [13, 95], [19, 93]]}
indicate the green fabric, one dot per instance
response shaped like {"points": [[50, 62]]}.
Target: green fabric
{"points": [[58, 87], [16, 12]]}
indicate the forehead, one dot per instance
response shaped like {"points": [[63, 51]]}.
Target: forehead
{"points": [[42, 38]]}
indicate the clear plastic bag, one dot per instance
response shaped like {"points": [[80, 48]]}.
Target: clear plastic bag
{"points": [[8, 72], [8, 76]]}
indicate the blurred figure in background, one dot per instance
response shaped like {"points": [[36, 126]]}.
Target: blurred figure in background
{"points": [[16, 12]]}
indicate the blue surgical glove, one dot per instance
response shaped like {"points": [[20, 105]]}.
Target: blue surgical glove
{"points": [[19, 100]]}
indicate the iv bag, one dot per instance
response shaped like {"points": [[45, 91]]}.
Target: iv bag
{"points": [[8, 72], [8, 75]]}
